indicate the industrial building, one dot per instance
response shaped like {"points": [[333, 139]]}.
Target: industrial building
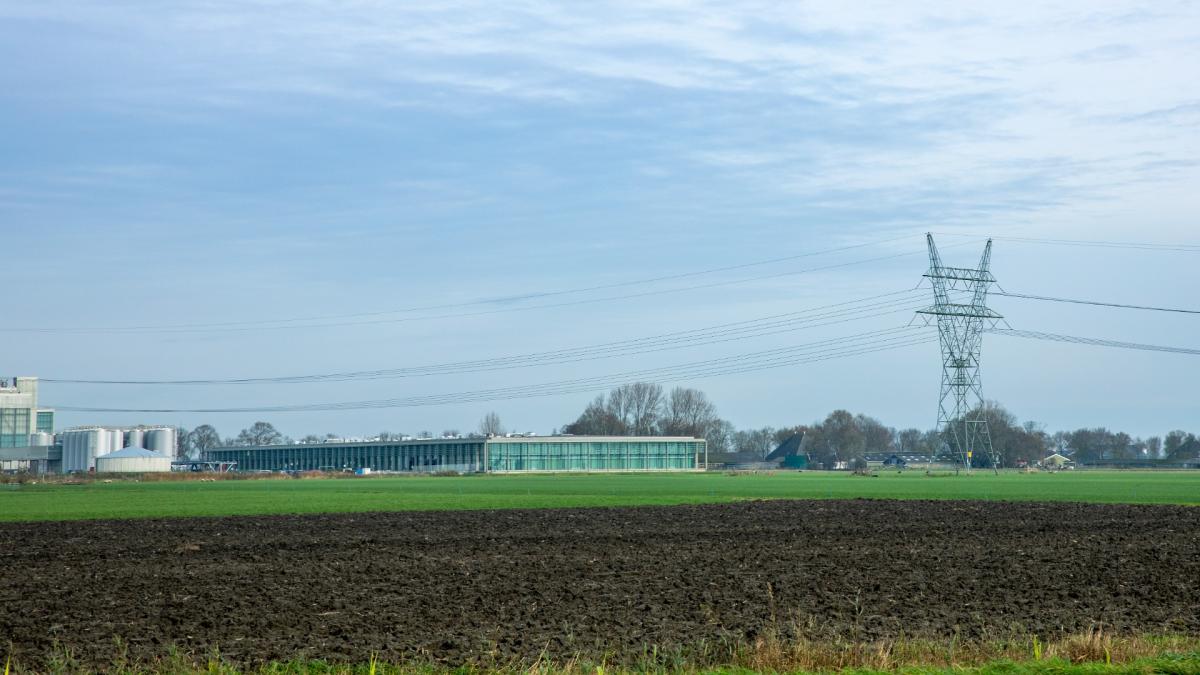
{"points": [[22, 423], [26, 440], [523, 454], [133, 460], [81, 446]]}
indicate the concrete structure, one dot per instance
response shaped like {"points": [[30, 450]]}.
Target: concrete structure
{"points": [[475, 455], [133, 460], [20, 416]]}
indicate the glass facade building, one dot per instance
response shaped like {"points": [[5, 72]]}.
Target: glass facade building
{"points": [[19, 414], [594, 454], [14, 427], [474, 455]]}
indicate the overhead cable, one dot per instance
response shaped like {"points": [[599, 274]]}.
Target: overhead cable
{"points": [[841, 347], [874, 306], [1096, 303], [1035, 335], [286, 324]]}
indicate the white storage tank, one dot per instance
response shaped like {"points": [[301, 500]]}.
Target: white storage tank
{"points": [[160, 440], [133, 460], [133, 439], [116, 440], [82, 446], [40, 439]]}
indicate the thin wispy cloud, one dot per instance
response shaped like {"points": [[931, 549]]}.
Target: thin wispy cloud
{"points": [[357, 155]]}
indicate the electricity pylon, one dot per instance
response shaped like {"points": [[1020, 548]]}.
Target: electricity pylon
{"points": [[962, 315]]}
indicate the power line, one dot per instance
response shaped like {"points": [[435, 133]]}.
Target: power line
{"points": [[1147, 246], [297, 322], [1099, 342], [1096, 303], [836, 313], [833, 348]]}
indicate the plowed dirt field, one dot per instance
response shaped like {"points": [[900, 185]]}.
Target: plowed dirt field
{"points": [[480, 585]]}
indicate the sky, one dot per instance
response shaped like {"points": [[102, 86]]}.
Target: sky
{"points": [[165, 167]]}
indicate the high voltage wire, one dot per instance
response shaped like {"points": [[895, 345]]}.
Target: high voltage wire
{"points": [[1099, 342], [826, 315], [823, 350], [1096, 303], [1147, 246], [263, 325]]}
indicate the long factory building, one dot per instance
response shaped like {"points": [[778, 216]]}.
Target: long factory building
{"points": [[476, 455]]}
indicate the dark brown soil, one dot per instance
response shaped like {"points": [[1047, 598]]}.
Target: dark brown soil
{"points": [[476, 586]]}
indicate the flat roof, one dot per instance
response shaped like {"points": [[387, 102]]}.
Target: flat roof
{"points": [[475, 440], [591, 439]]}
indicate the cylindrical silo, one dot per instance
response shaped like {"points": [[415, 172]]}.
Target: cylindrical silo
{"points": [[133, 460], [115, 441], [69, 440], [133, 438], [40, 439], [80, 447], [160, 439]]}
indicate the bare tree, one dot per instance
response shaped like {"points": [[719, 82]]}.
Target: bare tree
{"points": [[757, 443], [1173, 442], [688, 412], [183, 443], [1154, 447], [720, 438], [876, 436], [597, 419], [490, 425], [259, 433], [204, 438], [638, 406], [910, 441]]}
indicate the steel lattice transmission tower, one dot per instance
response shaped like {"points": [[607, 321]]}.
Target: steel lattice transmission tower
{"points": [[962, 315]]}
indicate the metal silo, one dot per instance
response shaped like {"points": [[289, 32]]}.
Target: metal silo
{"points": [[115, 441], [133, 438], [80, 447], [70, 441], [160, 439], [40, 439]]}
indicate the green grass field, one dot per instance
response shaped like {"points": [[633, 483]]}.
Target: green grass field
{"points": [[128, 499]]}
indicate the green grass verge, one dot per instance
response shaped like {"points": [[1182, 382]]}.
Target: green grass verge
{"points": [[1075, 656], [1171, 665], [129, 499]]}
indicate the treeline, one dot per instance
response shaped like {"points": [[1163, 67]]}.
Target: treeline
{"points": [[646, 409]]}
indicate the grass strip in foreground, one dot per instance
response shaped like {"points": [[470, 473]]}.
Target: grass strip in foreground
{"points": [[1094, 653]]}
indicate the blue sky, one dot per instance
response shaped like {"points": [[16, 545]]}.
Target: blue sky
{"points": [[203, 162]]}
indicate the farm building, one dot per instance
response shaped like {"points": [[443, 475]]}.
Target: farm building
{"points": [[1056, 460], [477, 455], [790, 453]]}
